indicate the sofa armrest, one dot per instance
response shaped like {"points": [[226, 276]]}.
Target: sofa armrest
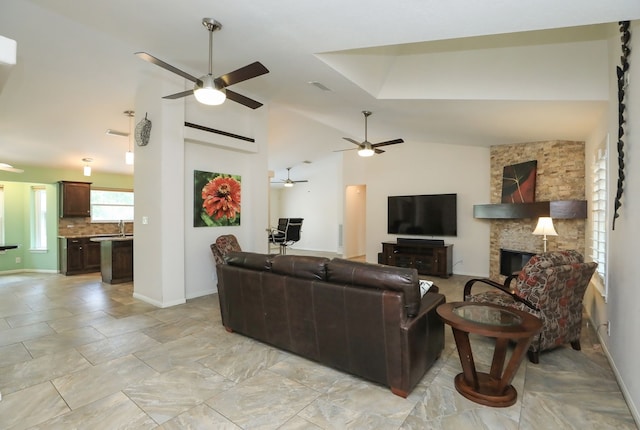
{"points": [[424, 333]]}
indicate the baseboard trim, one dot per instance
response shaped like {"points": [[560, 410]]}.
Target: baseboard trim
{"points": [[201, 293], [158, 303], [623, 388], [14, 271]]}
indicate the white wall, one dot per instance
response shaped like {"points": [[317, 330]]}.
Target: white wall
{"points": [[622, 307], [319, 202], [172, 259], [158, 183], [409, 168], [429, 168]]}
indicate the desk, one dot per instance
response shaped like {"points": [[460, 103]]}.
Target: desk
{"points": [[495, 321]]}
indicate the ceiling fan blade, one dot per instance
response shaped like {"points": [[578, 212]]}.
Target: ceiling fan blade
{"points": [[342, 150], [179, 95], [378, 151], [352, 141], [158, 62], [242, 74], [239, 98], [388, 142], [296, 182]]}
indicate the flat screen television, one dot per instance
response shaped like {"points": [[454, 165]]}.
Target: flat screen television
{"points": [[423, 215]]}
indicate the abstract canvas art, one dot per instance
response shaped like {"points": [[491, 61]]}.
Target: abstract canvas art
{"points": [[216, 199], [519, 182]]}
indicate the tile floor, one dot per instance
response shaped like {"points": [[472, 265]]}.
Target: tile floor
{"points": [[77, 353]]}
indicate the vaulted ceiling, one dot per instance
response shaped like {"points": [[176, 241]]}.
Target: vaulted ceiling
{"points": [[456, 72]]}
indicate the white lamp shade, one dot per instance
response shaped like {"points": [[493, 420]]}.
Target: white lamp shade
{"points": [[209, 93], [288, 184], [366, 151], [128, 157], [545, 227], [87, 170]]}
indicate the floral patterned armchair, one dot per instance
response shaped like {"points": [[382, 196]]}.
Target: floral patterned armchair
{"points": [[550, 286], [224, 245]]}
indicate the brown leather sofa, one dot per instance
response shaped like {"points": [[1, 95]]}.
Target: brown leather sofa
{"points": [[365, 319]]}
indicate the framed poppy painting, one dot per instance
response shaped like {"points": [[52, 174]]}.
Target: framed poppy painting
{"points": [[216, 199], [519, 182]]}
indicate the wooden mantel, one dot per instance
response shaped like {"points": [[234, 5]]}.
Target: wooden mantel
{"points": [[559, 209]]}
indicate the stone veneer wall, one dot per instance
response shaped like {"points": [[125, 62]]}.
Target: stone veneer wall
{"points": [[560, 176]]}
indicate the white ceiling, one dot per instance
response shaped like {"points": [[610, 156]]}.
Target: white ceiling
{"points": [[458, 72]]}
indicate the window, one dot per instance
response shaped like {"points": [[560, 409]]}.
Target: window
{"points": [[39, 218], [1, 215], [599, 218], [111, 205]]}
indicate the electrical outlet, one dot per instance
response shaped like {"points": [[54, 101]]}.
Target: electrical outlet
{"points": [[608, 328], [18, 260]]}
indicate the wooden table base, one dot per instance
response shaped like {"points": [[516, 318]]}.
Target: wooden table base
{"points": [[493, 388], [488, 393]]}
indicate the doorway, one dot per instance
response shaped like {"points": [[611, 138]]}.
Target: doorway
{"points": [[355, 222]]}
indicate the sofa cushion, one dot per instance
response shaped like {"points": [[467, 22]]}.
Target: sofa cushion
{"points": [[379, 276], [249, 260], [303, 267]]}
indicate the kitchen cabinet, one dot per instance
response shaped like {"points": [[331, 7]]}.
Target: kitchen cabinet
{"points": [[78, 255], [75, 199]]}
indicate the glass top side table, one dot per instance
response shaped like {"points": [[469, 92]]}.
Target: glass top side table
{"points": [[504, 325]]}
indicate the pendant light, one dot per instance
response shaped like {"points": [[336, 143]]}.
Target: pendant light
{"points": [[128, 156], [87, 168]]}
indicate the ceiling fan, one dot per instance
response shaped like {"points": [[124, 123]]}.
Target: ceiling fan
{"points": [[9, 168], [366, 148], [207, 89], [288, 182]]}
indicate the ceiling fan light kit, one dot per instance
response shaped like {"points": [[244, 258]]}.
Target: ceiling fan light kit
{"points": [[366, 148], [209, 93], [207, 89], [288, 182]]}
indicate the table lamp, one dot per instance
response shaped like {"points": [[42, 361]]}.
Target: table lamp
{"points": [[545, 228]]}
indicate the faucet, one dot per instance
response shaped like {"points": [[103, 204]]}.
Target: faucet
{"points": [[121, 227]]}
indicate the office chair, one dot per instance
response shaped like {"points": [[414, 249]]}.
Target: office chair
{"points": [[286, 234]]}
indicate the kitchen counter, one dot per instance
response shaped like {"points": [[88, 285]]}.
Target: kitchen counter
{"points": [[116, 258], [110, 238], [96, 236]]}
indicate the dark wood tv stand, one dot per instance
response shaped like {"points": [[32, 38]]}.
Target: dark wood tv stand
{"points": [[428, 259]]}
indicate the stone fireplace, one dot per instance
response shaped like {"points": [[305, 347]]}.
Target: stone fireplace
{"points": [[560, 176]]}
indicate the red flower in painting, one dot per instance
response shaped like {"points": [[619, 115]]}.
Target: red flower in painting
{"points": [[221, 197]]}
